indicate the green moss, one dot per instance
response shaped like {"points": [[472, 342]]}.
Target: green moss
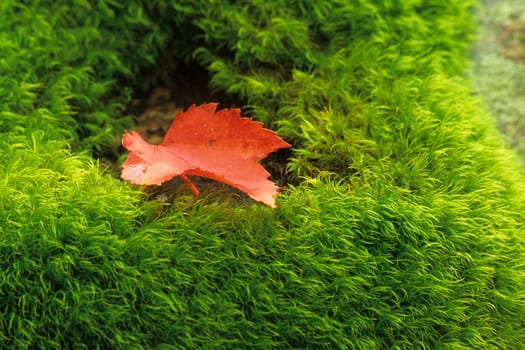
{"points": [[75, 66], [404, 228]]}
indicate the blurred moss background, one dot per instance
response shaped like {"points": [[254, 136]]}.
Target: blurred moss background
{"points": [[498, 69]]}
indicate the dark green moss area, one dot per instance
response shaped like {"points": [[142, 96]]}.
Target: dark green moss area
{"points": [[401, 226]]}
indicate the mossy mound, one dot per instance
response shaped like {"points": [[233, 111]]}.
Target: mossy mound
{"points": [[402, 226]]}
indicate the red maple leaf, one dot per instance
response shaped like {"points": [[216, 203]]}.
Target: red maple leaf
{"points": [[222, 146]]}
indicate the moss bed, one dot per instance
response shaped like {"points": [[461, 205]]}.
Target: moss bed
{"points": [[402, 225]]}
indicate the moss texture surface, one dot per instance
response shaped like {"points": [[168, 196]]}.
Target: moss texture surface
{"points": [[401, 227]]}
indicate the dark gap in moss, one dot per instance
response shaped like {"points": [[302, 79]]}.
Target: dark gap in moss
{"points": [[187, 85]]}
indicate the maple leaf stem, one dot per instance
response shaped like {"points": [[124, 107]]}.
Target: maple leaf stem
{"points": [[190, 184]]}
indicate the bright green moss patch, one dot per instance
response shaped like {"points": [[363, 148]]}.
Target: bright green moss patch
{"points": [[57, 57], [403, 227]]}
